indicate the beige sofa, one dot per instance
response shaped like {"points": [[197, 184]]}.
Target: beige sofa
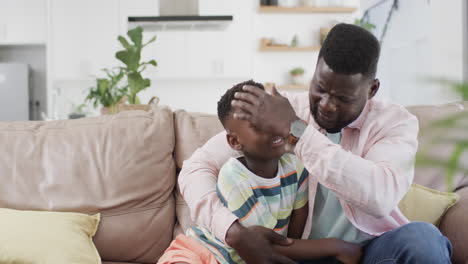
{"points": [[125, 167]]}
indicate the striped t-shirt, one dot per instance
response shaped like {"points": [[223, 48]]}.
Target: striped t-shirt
{"points": [[256, 201]]}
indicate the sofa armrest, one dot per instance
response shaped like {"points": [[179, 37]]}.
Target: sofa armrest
{"points": [[453, 225]]}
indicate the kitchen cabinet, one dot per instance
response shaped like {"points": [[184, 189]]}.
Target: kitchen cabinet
{"points": [[83, 37], [23, 22]]}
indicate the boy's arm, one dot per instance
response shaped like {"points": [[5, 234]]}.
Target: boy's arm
{"points": [[300, 206], [345, 252], [297, 222]]}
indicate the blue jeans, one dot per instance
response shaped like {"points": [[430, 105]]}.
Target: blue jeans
{"points": [[416, 242]]}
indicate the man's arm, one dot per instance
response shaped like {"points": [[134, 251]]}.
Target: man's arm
{"points": [[374, 183], [197, 182]]}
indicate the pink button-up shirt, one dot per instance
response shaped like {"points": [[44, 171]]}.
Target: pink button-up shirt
{"points": [[370, 171]]}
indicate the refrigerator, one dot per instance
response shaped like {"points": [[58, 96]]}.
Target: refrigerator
{"points": [[14, 91]]}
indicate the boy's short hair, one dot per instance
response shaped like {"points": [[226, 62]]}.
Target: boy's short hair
{"points": [[350, 49], [224, 104]]}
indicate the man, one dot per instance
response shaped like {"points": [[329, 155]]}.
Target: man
{"points": [[359, 153]]}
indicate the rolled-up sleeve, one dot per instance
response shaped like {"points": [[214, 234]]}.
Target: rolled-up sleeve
{"points": [[375, 181]]}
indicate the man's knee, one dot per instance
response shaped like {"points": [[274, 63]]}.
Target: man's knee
{"points": [[419, 230], [413, 243], [424, 241]]}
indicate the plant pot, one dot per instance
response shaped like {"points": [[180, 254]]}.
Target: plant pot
{"points": [[297, 79], [108, 110]]}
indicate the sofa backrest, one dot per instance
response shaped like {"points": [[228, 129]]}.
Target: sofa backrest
{"points": [[119, 165], [192, 130]]}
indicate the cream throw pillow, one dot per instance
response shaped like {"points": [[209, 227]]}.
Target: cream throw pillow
{"points": [[425, 204], [32, 237]]}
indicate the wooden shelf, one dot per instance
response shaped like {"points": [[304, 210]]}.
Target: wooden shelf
{"points": [[293, 87], [306, 9], [287, 48], [288, 87]]}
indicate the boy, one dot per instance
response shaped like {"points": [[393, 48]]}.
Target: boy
{"points": [[263, 186]]}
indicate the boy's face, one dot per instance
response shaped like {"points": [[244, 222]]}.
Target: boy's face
{"points": [[241, 135]]}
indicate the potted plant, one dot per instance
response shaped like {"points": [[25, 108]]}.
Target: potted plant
{"points": [[108, 92], [122, 84], [130, 56], [297, 75]]}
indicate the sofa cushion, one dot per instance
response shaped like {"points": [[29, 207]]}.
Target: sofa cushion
{"points": [[119, 165], [414, 204], [47, 237]]}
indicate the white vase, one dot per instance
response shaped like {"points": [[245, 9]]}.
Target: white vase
{"points": [[297, 79], [308, 2]]}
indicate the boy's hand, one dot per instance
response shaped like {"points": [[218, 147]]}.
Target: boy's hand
{"points": [[254, 244], [349, 253]]}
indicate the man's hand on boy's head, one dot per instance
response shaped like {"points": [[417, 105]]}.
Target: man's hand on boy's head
{"points": [[269, 113], [254, 244]]}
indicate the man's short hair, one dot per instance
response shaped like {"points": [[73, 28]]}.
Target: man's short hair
{"points": [[224, 104], [350, 49]]}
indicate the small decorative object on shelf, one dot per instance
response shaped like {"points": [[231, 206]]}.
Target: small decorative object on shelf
{"points": [[268, 2], [308, 2], [288, 3], [297, 75], [323, 34], [306, 9], [267, 44], [295, 41]]}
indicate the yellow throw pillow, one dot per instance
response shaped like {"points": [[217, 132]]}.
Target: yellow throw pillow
{"points": [[425, 204], [47, 237]]}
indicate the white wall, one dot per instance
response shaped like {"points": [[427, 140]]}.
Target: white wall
{"points": [[423, 42]]}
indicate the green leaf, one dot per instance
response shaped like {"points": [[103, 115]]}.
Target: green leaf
{"points": [[152, 62], [129, 58], [136, 84], [452, 166], [136, 35], [124, 42], [150, 41]]}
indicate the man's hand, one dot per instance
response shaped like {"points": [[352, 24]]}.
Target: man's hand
{"points": [[269, 113], [349, 253], [254, 244]]}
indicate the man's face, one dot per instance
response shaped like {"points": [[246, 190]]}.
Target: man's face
{"points": [[336, 100], [252, 142]]}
